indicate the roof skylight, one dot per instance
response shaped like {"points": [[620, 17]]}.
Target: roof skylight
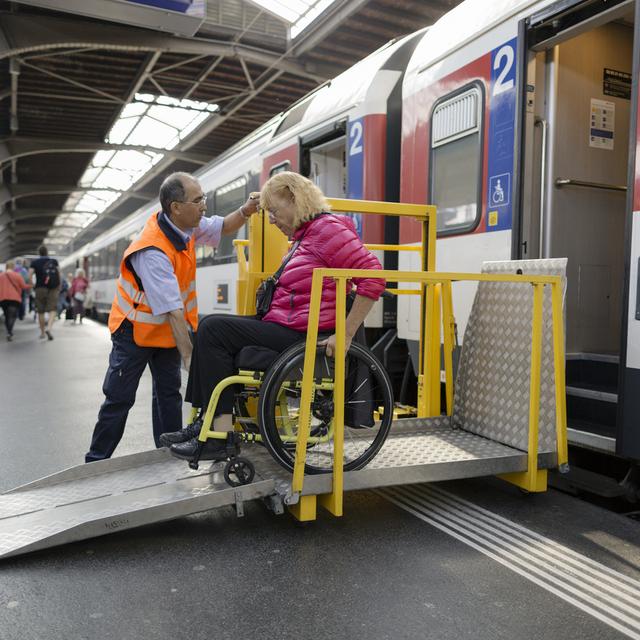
{"points": [[299, 13], [156, 122]]}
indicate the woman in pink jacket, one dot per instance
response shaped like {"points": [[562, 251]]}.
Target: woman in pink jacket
{"points": [[11, 286], [320, 239], [78, 294]]}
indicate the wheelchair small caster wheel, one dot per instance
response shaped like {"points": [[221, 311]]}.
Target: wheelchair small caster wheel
{"points": [[239, 471]]}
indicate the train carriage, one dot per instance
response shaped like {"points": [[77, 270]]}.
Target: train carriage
{"points": [[520, 122]]}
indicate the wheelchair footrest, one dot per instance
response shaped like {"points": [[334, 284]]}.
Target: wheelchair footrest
{"points": [[231, 450]]}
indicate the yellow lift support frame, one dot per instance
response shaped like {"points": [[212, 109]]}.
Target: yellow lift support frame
{"points": [[268, 246]]}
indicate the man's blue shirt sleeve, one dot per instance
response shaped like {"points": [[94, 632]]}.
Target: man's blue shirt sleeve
{"points": [[209, 231], [161, 288]]}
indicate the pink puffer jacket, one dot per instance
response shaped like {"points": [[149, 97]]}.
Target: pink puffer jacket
{"points": [[329, 241]]}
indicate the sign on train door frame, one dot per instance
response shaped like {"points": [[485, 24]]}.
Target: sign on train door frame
{"points": [[501, 138], [355, 165]]}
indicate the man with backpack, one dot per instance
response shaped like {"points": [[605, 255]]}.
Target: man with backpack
{"points": [[47, 289]]}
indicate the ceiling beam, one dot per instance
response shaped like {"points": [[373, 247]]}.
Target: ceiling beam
{"points": [[18, 147], [325, 25], [27, 33], [22, 190], [25, 228], [18, 215]]}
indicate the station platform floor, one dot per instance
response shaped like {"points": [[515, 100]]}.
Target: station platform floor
{"points": [[473, 559]]}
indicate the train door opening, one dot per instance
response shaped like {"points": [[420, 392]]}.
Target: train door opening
{"points": [[323, 160], [577, 124]]}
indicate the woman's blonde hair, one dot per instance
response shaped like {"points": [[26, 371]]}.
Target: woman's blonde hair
{"points": [[308, 198], [80, 273], [10, 265]]}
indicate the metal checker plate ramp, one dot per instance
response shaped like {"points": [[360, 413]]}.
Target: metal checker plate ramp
{"points": [[131, 491], [429, 450], [125, 492], [492, 388]]}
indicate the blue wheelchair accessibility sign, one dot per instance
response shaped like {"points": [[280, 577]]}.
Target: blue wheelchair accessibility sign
{"points": [[500, 190]]}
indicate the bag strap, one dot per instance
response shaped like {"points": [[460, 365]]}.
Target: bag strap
{"points": [[296, 244]]}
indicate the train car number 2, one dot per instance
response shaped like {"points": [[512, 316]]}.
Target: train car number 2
{"points": [[507, 56]]}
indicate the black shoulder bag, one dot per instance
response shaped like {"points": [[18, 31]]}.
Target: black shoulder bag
{"points": [[264, 294]]}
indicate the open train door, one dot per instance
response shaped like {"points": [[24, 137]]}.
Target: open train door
{"points": [[579, 110]]}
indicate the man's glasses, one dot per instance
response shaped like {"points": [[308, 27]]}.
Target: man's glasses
{"points": [[198, 201]]}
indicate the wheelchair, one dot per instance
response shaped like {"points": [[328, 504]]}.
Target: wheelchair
{"points": [[268, 389]]}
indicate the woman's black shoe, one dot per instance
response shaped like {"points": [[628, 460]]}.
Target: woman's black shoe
{"points": [[213, 449], [175, 437]]}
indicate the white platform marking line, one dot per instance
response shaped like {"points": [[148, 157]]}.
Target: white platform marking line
{"points": [[633, 584], [609, 617], [531, 551], [588, 569]]}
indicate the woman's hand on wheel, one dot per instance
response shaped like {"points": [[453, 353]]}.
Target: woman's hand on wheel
{"points": [[330, 345]]}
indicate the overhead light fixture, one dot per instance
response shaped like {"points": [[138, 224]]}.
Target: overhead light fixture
{"points": [[159, 122], [298, 13]]}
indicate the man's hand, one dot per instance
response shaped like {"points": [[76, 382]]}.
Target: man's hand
{"points": [[180, 329], [240, 216], [251, 205], [330, 345]]}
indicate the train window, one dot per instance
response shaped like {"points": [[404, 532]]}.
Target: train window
{"points": [[104, 264], [121, 247], [226, 200], [93, 267], [279, 168], [293, 117], [211, 204], [456, 160], [112, 259]]}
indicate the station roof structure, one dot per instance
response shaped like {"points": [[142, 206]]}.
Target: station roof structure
{"points": [[96, 109]]}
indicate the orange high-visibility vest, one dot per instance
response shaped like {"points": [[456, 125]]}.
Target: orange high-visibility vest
{"points": [[130, 301]]}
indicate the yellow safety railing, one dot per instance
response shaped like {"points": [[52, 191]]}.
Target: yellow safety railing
{"points": [[267, 246], [438, 288]]}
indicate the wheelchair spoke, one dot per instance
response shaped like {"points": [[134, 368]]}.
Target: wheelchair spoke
{"points": [[367, 392]]}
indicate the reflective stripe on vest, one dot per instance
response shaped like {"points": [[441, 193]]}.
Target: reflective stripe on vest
{"points": [[139, 297], [134, 315]]}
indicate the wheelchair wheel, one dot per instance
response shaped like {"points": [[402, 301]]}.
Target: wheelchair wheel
{"points": [[239, 471], [368, 409]]}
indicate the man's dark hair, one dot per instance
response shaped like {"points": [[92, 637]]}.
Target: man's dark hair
{"points": [[172, 190], [42, 250]]}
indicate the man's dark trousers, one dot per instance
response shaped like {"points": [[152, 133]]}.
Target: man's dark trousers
{"points": [[127, 362]]}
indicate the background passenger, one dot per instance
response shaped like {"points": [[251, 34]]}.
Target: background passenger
{"points": [[78, 293], [63, 299], [68, 305], [24, 273], [299, 209], [47, 288], [12, 285]]}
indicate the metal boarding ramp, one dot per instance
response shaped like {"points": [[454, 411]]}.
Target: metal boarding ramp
{"points": [[507, 418]]}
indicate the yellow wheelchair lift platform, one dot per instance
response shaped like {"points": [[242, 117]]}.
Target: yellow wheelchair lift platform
{"points": [[507, 416]]}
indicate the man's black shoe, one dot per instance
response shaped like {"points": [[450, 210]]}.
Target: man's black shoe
{"points": [[213, 449], [175, 437]]}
